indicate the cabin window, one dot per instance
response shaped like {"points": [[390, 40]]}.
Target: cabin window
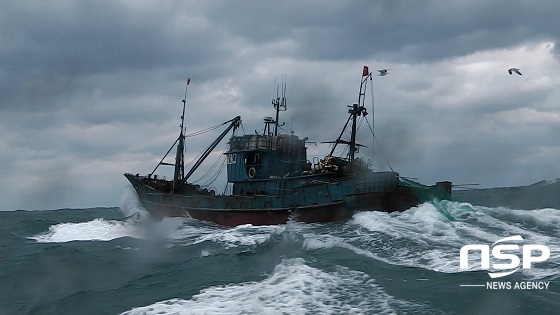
{"points": [[231, 159], [252, 159]]}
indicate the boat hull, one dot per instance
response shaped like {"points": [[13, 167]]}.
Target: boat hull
{"points": [[327, 202], [234, 217]]}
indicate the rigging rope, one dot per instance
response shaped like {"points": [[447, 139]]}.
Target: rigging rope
{"points": [[203, 131], [217, 173], [380, 153], [221, 161]]}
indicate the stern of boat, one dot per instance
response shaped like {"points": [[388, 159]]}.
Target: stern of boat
{"points": [[441, 190]]}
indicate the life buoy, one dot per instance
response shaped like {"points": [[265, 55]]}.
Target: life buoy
{"points": [[252, 172]]}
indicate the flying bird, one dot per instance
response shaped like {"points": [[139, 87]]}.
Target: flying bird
{"points": [[512, 70], [383, 72]]}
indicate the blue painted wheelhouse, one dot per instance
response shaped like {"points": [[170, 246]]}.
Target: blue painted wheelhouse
{"points": [[260, 164]]}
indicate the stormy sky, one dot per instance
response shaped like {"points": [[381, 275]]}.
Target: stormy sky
{"points": [[90, 90]]}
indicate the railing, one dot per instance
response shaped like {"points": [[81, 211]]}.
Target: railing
{"points": [[254, 142]]}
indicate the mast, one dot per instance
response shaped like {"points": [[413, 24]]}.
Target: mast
{"points": [[279, 103], [355, 110], [179, 173], [234, 124], [358, 110]]}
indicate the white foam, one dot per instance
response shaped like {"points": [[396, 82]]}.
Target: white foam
{"points": [[186, 231], [437, 231], [95, 230], [292, 288], [243, 235], [139, 225], [178, 231], [313, 242]]}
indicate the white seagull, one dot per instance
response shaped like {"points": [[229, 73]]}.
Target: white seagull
{"points": [[512, 70], [383, 72]]}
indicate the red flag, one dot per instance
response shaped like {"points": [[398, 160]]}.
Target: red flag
{"points": [[366, 71], [188, 81]]}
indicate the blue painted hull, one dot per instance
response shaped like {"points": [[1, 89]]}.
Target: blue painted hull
{"points": [[315, 201]]}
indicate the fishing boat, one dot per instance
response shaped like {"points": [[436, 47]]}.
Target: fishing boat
{"points": [[272, 181]]}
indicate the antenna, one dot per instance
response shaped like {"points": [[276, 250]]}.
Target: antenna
{"points": [[292, 128], [279, 102]]}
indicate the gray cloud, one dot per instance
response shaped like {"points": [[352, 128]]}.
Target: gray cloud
{"points": [[90, 90]]}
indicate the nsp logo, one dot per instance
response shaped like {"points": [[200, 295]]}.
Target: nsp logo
{"points": [[503, 252]]}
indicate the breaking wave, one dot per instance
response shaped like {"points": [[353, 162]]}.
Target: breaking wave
{"points": [[294, 287], [95, 230], [431, 235]]}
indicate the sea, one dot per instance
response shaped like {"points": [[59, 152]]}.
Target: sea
{"points": [[119, 261]]}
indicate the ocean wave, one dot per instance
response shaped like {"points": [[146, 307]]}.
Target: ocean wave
{"points": [[431, 235], [95, 230], [215, 240], [243, 235], [293, 288], [175, 231]]}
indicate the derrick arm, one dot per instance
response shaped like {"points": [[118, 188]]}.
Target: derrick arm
{"points": [[337, 141], [163, 158], [234, 124]]}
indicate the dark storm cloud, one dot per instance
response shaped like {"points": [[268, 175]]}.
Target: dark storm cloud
{"points": [[401, 31], [53, 47]]}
